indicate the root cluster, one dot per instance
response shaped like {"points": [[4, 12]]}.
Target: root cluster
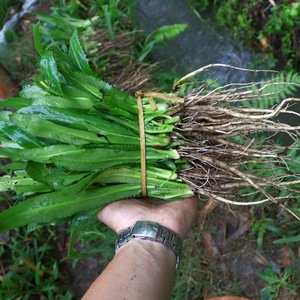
{"points": [[231, 145], [125, 72]]}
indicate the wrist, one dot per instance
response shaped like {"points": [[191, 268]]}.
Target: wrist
{"points": [[151, 253]]}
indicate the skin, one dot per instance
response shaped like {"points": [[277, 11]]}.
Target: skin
{"points": [[142, 269]]}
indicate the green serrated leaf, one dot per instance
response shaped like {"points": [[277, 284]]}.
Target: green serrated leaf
{"points": [[19, 136], [102, 158], [78, 56], [16, 103], [32, 92], [75, 118], [22, 184], [42, 155], [80, 98], [14, 166], [83, 183], [50, 175], [46, 129], [85, 85], [48, 207], [37, 39], [5, 115], [39, 96], [48, 68]]}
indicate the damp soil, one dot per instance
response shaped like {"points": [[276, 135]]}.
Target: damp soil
{"points": [[230, 256]]}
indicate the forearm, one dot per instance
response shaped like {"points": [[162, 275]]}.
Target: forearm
{"points": [[141, 269]]}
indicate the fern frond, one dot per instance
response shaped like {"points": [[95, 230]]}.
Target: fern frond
{"points": [[156, 37], [280, 86], [169, 32]]}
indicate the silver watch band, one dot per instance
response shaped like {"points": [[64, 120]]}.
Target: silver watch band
{"points": [[154, 232]]}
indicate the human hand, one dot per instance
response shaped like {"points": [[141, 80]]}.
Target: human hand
{"points": [[175, 215]]}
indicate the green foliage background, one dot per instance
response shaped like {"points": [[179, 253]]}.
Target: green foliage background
{"points": [[273, 30]]}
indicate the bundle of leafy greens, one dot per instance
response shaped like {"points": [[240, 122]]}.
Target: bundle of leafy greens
{"points": [[74, 142]]}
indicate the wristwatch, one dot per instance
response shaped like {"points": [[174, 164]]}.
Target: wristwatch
{"points": [[154, 232]]}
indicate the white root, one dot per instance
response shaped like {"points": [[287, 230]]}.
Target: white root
{"points": [[218, 130]]}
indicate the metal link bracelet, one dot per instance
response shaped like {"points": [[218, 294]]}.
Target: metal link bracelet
{"points": [[154, 232]]}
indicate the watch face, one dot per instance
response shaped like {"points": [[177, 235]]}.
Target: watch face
{"points": [[145, 229]]}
